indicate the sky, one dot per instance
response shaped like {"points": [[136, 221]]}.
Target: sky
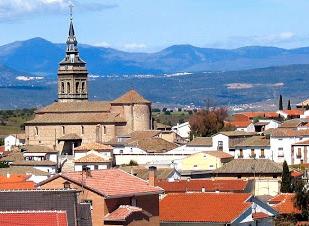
{"points": [[151, 25]]}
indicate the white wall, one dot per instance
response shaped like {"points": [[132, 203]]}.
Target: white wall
{"points": [[286, 144], [78, 155], [143, 159], [128, 150], [185, 150], [247, 152], [49, 169], [249, 128], [220, 137], [182, 130], [272, 124], [79, 167], [10, 141]]}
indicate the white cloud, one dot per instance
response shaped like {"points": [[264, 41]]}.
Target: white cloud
{"points": [[134, 46], [15, 9], [102, 44]]}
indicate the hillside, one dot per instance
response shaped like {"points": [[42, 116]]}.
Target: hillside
{"points": [[224, 88], [40, 57]]}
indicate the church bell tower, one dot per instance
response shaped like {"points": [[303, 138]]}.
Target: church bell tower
{"points": [[72, 72]]}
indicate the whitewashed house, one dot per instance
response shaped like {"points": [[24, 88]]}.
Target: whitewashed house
{"points": [[39, 153], [290, 114], [226, 141], [281, 141], [265, 124], [105, 151], [44, 165], [245, 126], [300, 152], [256, 147], [198, 144], [14, 140], [182, 130], [93, 160]]}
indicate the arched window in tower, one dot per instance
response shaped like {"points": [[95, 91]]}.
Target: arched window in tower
{"points": [[83, 87], [63, 130], [68, 87], [77, 87], [104, 130], [83, 130], [62, 87], [36, 131]]}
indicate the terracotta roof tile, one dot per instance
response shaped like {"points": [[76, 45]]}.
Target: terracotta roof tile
{"points": [[303, 142], [37, 149], [203, 207], [239, 124], [219, 154], [34, 163], [34, 218], [252, 115], [123, 212], [293, 112], [22, 170], [92, 158], [284, 203], [16, 182], [201, 141], [210, 185], [255, 141], [94, 146], [154, 145], [259, 215], [131, 97], [110, 183]]}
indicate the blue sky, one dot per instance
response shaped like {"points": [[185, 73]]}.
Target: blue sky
{"points": [[150, 25]]}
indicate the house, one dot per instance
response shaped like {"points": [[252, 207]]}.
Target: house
{"points": [[265, 124], [44, 165], [205, 185], [35, 175], [16, 203], [39, 153], [198, 144], [143, 147], [284, 204], [299, 152], [104, 150], [290, 114], [255, 147], [265, 173], [166, 174], [34, 218], [16, 181], [92, 160], [246, 126], [14, 140], [243, 116], [203, 161], [108, 191], [293, 123], [226, 141], [281, 141], [189, 209], [183, 130]]}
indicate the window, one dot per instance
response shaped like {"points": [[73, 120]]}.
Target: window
{"points": [[220, 145], [252, 153], [121, 151], [63, 130], [262, 153], [241, 153], [280, 152], [68, 87], [104, 129], [83, 129], [36, 130], [96, 167], [133, 201], [67, 185], [62, 87], [83, 87], [195, 166], [298, 153], [77, 87]]}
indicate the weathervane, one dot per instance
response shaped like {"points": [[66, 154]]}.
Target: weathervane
{"points": [[71, 11]]}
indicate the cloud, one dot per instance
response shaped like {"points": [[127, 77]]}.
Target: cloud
{"points": [[11, 10], [134, 46], [102, 44]]}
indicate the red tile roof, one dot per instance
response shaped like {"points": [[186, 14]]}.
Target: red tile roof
{"points": [[296, 173], [210, 185], [2, 149], [293, 112], [34, 218], [252, 115], [259, 215], [239, 124], [203, 207], [110, 183], [284, 203], [123, 212], [16, 182], [94, 146]]}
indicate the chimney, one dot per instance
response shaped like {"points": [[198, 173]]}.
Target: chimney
{"points": [[8, 175], [87, 171], [152, 175]]}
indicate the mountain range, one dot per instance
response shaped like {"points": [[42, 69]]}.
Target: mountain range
{"points": [[40, 57]]}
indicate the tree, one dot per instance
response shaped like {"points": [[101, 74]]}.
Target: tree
{"points": [[289, 105], [207, 122], [280, 103], [302, 198], [286, 184]]}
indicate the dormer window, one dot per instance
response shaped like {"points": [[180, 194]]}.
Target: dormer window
{"points": [[67, 185]]}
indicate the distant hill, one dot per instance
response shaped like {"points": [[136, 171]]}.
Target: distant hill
{"points": [[39, 56], [223, 88]]}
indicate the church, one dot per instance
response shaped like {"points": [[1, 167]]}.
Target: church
{"points": [[74, 120]]}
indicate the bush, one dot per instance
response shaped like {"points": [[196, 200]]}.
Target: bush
{"points": [[133, 163]]}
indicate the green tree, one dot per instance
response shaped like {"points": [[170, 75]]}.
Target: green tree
{"points": [[302, 199], [280, 103], [289, 105], [286, 182]]}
